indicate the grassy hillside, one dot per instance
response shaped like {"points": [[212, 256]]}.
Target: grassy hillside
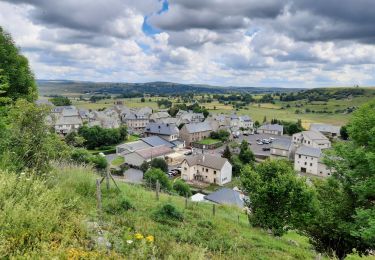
{"points": [[57, 217]]}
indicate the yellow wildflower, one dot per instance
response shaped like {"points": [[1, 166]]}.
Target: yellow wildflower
{"points": [[150, 238], [138, 236]]}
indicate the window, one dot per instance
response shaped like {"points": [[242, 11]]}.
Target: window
{"points": [[310, 164], [299, 156], [309, 142], [214, 172], [305, 163], [185, 169], [206, 170]]}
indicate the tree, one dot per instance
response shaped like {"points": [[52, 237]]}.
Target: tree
{"points": [[246, 155], [29, 143], [144, 166], [256, 124], [182, 188], [344, 132], [143, 100], [17, 80], [74, 139], [61, 101], [348, 197], [153, 175], [81, 155], [222, 135], [97, 136], [159, 163], [264, 119], [279, 200], [237, 165], [227, 153]]}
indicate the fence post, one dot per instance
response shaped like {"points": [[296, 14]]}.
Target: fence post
{"points": [[98, 197], [157, 189], [186, 201], [238, 218], [213, 209], [107, 178]]}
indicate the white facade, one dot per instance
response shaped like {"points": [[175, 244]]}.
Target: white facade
{"points": [[207, 174], [312, 139], [310, 164]]}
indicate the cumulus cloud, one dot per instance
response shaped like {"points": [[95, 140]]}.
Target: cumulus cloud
{"points": [[239, 42]]}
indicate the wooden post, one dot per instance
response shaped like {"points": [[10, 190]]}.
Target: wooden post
{"points": [[107, 178], [186, 201], [213, 209], [98, 197], [157, 189], [238, 218]]}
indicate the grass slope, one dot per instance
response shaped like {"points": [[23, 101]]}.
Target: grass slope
{"points": [[55, 218]]}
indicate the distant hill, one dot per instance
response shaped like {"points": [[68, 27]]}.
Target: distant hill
{"points": [[67, 87]]}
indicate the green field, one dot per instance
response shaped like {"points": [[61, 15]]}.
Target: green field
{"points": [[209, 141], [280, 110]]}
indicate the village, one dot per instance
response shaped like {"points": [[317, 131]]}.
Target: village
{"points": [[189, 144]]}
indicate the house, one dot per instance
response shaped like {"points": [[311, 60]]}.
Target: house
{"points": [[308, 159], [282, 148], [156, 117], [206, 168], [135, 159], [130, 147], [311, 138], [225, 196], [147, 111], [195, 132], [246, 122], [329, 131], [65, 125], [272, 129], [190, 117], [135, 121], [168, 132], [157, 141]]}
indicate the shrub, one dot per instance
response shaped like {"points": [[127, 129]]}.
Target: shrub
{"points": [[153, 175], [182, 188], [117, 205], [168, 214]]}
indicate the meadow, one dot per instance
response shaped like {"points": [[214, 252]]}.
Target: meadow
{"points": [[257, 111], [65, 203]]}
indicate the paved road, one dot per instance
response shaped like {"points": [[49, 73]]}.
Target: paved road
{"points": [[251, 139], [133, 176]]}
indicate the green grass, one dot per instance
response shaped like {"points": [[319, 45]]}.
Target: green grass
{"points": [[55, 224], [132, 138], [209, 141], [118, 161]]}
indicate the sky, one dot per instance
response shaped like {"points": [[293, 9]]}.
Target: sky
{"points": [[254, 43]]}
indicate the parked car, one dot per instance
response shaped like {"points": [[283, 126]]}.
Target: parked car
{"points": [[266, 148], [188, 153], [271, 138], [259, 142]]}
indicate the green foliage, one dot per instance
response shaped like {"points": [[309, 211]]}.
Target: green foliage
{"points": [[29, 144], [246, 155], [182, 188], [168, 214], [117, 204], [159, 163], [347, 198], [74, 139], [96, 137], [237, 165], [16, 79], [227, 153], [222, 135], [60, 101], [153, 175], [81, 155], [279, 200], [344, 132], [290, 128], [144, 166]]}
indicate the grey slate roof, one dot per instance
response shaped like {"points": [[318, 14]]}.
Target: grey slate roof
{"points": [[282, 144], [272, 127], [325, 128], [156, 141], [309, 151], [245, 118], [153, 152], [133, 146], [162, 129], [198, 127], [226, 196], [317, 137], [206, 160], [70, 120]]}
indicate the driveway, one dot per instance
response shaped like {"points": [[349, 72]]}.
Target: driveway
{"points": [[257, 149], [133, 176]]}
